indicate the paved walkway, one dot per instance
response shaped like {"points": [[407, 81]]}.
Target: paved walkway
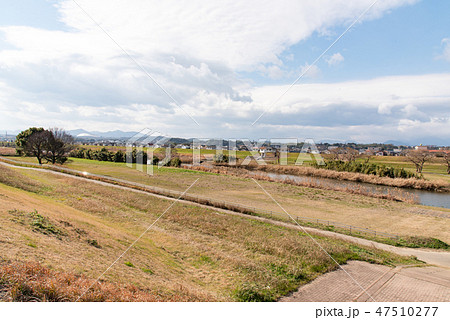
{"points": [[380, 283]]}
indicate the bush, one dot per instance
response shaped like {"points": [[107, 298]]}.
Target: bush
{"points": [[119, 156], [175, 162]]}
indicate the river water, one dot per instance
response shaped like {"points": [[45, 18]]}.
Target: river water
{"points": [[427, 198], [424, 197]]}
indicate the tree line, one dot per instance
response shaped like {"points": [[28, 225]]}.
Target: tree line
{"points": [[344, 159], [119, 156]]}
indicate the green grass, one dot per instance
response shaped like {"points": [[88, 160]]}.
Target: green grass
{"points": [[146, 270], [37, 222]]}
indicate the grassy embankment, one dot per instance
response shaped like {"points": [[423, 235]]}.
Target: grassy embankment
{"points": [[377, 214], [78, 228]]}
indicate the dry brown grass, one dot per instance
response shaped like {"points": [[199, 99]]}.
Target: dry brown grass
{"points": [[193, 253], [33, 282], [5, 151]]}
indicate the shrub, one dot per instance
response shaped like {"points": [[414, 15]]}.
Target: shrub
{"points": [[175, 162], [119, 156]]}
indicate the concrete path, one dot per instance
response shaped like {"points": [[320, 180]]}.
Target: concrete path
{"points": [[381, 283]]}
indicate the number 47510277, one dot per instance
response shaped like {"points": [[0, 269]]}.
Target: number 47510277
{"points": [[407, 311]]}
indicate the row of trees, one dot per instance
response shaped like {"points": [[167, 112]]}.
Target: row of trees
{"points": [[417, 157], [120, 156], [52, 145], [420, 157]]}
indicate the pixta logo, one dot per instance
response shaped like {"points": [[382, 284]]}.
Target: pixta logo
{"points": [[150, 149], [141, 150]]}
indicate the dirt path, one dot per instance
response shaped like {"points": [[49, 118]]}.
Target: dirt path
{"points": [[381, 283], [439, 258]]}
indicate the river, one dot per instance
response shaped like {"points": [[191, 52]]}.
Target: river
{"points": [[424, 197]]}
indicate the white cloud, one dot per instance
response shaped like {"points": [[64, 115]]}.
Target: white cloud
{"points": [[446, 52], [310, 71], [185, 48], [385, 108], [335, 59], [77, 77], [272, 71], [384, 92]]}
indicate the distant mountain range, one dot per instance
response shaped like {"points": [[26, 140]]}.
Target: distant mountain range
{"points": [[116, 134]]}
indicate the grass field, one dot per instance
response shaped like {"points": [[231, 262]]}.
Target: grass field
{"points": [[433, 170], [376, 214], [191, 254]]}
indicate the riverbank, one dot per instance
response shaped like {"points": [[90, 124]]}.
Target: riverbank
{"points": [[419, 184], [309, 183]]}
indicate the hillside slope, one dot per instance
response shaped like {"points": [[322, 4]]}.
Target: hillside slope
{"points": [[190, 254]]}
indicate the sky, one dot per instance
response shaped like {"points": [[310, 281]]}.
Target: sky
{"points": [[229, 69]]}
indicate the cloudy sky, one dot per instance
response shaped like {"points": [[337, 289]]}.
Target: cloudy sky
{"points": [[212, 68]]}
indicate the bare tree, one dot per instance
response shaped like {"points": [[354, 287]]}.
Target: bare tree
{"points": [[36, 144], [344, 154], [59, 144], [349, 154], [418, 158], [446, 156], [366, 158]]}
